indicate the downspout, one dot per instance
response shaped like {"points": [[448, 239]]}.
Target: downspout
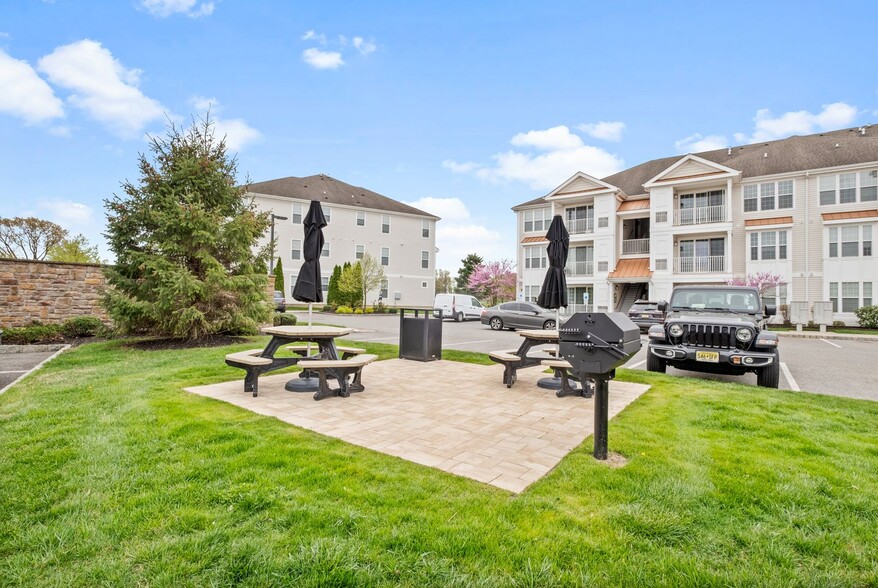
{"points": [[807, 243]]}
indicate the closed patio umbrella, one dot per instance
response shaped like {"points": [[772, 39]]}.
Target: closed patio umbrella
{"points": [[309, 284], [553, 294]]}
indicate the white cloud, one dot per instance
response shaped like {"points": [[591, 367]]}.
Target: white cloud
{"points": [[363, 46], [833, 116], [605, 130], [319, 59], [61, 131], [165, 8], [310, 35], [4, 35], [25, 94], [101, 86], [237, 132], [73, 216], [449, 209], [696, 143], [565, 155], [552, 139]]}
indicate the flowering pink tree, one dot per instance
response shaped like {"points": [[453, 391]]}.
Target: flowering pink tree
{"points": [[494, 281], [763, 281]]}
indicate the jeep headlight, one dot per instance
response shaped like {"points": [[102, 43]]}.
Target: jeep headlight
{"points": [[675, 330], [744, 335]]}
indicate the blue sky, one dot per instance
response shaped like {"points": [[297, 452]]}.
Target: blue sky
{"points": [[462, 108]]}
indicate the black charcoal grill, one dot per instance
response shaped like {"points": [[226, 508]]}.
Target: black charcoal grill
{"points": [[595, 344]]}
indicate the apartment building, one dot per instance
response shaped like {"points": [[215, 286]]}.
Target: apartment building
{"points": [[359, 221], [805, 208]]}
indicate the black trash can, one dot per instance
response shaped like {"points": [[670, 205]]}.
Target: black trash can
{"points": [[420, 334]]}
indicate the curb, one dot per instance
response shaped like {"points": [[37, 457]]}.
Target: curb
{"points": [[32, 348], [832, 336], [36, 367]]}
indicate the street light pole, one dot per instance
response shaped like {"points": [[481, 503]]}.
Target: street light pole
{"points": [[271, 262]]}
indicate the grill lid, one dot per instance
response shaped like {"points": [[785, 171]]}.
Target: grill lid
{"points": [[597, 343]]}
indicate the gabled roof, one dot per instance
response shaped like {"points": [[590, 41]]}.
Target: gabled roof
{"points": [[579, 184], [818, 151], [327, 189], [689, 168]]}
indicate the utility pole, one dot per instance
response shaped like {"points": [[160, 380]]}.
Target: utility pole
{"points": [[271, 262]]}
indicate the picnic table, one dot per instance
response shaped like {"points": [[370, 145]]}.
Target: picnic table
{"points": [[526, 355], [324, 363]]}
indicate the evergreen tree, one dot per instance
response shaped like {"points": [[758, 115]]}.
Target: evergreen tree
{"points": [[468, 266], [184, 239], [332, 290], [279, 276]]}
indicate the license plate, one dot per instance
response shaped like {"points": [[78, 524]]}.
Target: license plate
{"points": [[709, 356], [644, 316]]}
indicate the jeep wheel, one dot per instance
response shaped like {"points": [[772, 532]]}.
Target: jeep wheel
{"points": [[769, 377], [496, 323], [654, 364]]}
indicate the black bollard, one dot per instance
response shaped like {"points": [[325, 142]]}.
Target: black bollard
{"points": [[601, 417]]}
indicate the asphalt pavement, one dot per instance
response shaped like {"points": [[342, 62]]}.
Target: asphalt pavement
{"points": [[839, 367], [15, 365]]}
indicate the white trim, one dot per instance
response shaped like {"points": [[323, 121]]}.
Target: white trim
{"points": [[580, 175], [725, 172], [769, 227], [868, 220], [804, 173]]}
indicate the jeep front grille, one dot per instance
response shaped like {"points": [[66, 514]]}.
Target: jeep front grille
{"points": [[709, 336]]}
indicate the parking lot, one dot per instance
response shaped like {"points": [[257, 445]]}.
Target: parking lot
{"points": [[839, 367]]}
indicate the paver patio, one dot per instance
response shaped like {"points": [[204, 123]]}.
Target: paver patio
{"points": [[457, 417]]}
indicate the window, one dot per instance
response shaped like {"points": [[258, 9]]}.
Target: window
{"points": [[385, 223], [293, 278], [325, 251], [324, 283], [361, 249], [849, 185], [531, 293], [385, 256], [850, 295], [534, 257], [537, 220], [768, 245], [785, 194], [869, 186], [425, 228], [603, 222], [361, 219], [751, 198], [296, 251], [327, 212], [847, 188], [297, 214], [827, 190], [383, 292], [423, 284], [661, 264], [855, 240], [661, 216], [768, 196], [425, 259], [579, 219], [701, 207], [603, 266], [775, 296]]}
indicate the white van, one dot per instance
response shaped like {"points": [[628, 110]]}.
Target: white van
{"points": [[458, 306]]}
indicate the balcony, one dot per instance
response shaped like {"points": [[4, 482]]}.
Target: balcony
{"points": [[579, 226], [700, 215], [577, 269], [635, 246], [699, 265]]}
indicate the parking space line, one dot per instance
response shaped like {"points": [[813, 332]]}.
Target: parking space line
{"points": [[33, 369], [468, 342], [377, 339], [830, 343], [14, 372], [789, 376], [634, 366]]}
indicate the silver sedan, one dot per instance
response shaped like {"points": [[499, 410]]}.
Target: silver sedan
{"points": [[518, 315]]}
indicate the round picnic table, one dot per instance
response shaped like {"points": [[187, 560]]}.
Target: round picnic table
{"points": [[323, 336]]}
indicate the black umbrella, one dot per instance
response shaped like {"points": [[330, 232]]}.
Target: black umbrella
{"points": [[553, 294], [309, 286]]}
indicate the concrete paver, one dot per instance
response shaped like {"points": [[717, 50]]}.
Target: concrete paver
{"points": [[453, 416]]}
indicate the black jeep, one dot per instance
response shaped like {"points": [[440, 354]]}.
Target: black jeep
{"points": [[716, 329]]}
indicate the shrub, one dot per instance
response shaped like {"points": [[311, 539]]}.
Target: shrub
{"points": [[344, 309], [33, 334], [358, 311], [283, 319], [368, 310], [82, 326], [868, 317], [784, 310], [838, 324], [328, 308], [392, 310]]}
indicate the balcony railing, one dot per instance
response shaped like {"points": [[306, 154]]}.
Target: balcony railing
{"points": [[580, 268], [574, 308], [699, 265], [578, 226], [700, 216], [635, 246]]}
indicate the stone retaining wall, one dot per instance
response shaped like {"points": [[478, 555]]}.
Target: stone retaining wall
{"points": [[48, 291]]}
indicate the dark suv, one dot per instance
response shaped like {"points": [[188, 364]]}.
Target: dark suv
{"points": [[716, 329], [645, 314], [280, 302]]}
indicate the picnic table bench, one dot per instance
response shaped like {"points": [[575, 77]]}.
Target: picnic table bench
{"points": [[564, 370], [525, 356], [340, 370]]}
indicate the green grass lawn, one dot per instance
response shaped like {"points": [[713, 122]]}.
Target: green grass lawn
{"points": [[111, 475]]}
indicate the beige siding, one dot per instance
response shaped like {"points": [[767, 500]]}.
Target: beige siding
{"points": [[691, 168]]}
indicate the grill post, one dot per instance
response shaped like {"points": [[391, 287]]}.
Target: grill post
{"points": [[601, 413]]}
